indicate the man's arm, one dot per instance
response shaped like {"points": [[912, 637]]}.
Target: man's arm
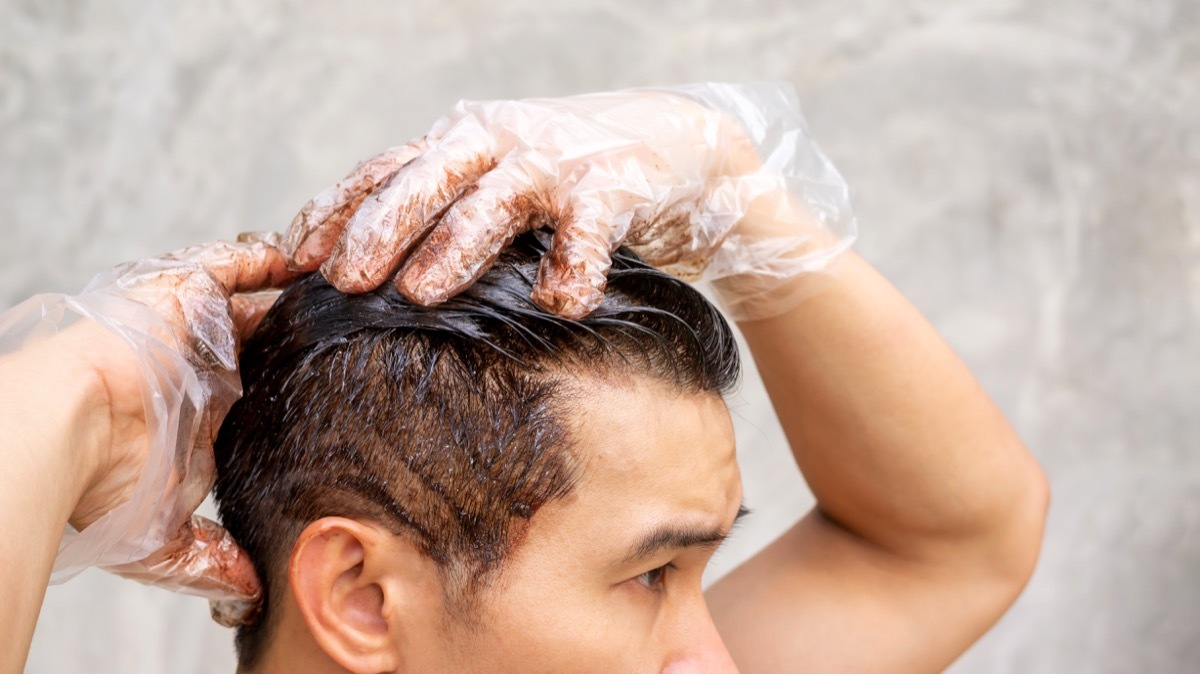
{"points": [[929, 509], [48, 424], [74, 426]]}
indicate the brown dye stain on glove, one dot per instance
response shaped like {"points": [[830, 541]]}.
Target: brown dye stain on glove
{"points": [[317, 226], [311, 251], [202, 559], [570, 281], [391, 221], [465, 244]]}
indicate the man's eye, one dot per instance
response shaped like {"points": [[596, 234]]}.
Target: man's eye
{"points": [[653, 579]]}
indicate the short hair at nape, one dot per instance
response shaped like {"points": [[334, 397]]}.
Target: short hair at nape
{"points": [[446, 424]]}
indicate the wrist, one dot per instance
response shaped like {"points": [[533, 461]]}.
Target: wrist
{"points": [[51, 417], [61, 397], [766, 265]]}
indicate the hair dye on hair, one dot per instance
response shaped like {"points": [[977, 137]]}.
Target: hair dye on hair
{"points": [[447, 424]]}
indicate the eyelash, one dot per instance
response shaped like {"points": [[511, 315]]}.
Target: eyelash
{"points": [[654, 578]]}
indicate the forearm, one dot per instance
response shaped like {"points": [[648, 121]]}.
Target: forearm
{"points": [[44, 421], [897, 440]]}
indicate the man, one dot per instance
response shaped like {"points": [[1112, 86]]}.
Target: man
{"points": [[929, 510], [483, 486]]}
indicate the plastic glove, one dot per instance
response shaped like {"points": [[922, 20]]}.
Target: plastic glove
{"points": [[713, 181], [163, 335]]}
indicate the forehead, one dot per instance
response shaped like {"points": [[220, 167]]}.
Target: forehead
{"points": [[649, 453]]}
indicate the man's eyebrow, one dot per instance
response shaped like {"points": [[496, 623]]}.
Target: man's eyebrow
{"points": [[671, 536]]}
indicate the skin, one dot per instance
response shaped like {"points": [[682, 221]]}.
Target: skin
{"points": [[583, 593], [597, 597], [928, 524], [930, 510], [71, 410], [47, 422], [928, 521]]}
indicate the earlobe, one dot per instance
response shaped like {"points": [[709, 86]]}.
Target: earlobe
{"points": [[348, 593]]}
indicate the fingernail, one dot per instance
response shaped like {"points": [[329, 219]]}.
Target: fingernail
{"points": [[348, 282], [232, 612], [269, 238], [563, 303], [412, 286]]}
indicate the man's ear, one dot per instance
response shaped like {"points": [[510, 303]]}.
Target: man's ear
{"points": [[358, 587]]}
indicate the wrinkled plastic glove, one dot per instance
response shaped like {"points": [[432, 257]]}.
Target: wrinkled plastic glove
{"points": [[164, 337], [712, 182]]}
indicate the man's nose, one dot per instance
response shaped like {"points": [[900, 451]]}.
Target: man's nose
{"points": [[701, 650]]}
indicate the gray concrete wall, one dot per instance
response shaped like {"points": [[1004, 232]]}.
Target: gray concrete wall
{"points": [[1028, 172]]}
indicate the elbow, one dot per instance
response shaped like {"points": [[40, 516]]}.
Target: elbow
{"points": [[1014, 554]]}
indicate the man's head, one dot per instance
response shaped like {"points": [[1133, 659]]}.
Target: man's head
{"points": [[482, 486]]}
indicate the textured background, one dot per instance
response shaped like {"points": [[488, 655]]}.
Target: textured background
{"points": [[1028, 172]]}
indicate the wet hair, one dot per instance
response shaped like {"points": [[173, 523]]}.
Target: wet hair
{"points": [[448, 424]]}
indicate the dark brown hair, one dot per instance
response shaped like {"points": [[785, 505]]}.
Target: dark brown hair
{"points": [[446, 424]]}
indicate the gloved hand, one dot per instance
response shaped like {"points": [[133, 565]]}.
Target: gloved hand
{"points": [[162, 335], [712, 181]]}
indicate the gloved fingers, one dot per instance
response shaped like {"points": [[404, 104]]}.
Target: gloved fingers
{"points": [[233, 612], [394, 217], [253, 263], [572, 275], [249, 310], [317, 226], [189, 292], [200, 559], [195, 296], [471, 234]]}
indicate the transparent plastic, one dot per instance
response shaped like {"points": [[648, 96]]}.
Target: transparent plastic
{"points": [[181, 317], [719, 182]]}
